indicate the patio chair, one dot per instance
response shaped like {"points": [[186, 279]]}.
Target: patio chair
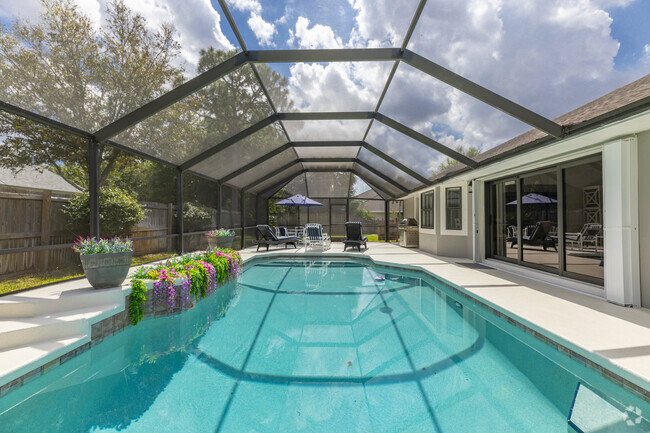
{"points": [[313, 235], [588, 235], [281, 231], [265, 236], [538, 236], [354, 236]]}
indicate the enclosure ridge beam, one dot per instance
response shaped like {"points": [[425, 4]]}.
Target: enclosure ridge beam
{"points": [[396, 163], [230, 141], [233, 25], [326, 143], [325, 55], [426, 140], [171, 97], [333, 115], [482, 94], [382, 176]]}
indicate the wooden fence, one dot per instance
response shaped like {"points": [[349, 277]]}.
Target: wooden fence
{"points": [[31, 219]]}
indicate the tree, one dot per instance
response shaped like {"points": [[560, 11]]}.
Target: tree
{"points": [[451, 163], [119, 212], [66, 69]]}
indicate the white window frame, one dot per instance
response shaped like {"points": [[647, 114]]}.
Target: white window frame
{"points": [[464, 220]]}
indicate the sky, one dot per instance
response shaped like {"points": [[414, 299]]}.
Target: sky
{"points": [[550, 56]]}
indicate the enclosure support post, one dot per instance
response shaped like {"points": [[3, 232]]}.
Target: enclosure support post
{"points": [[218, 204], [179, 209], [243, 216], [387, 221], [93, 187]]}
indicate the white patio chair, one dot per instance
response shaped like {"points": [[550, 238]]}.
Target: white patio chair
{"points": [[313, 236]]}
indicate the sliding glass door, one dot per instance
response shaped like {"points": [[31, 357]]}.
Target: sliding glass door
{"points": [[550, 220]]}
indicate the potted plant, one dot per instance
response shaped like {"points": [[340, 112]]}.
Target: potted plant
{"points": [[105, 261], [220, 238]]}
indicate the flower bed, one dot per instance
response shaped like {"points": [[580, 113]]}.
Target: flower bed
{"points": [[182, 280]]}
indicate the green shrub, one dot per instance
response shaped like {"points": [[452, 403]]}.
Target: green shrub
{"points": [[196, 217], [119, 212]]}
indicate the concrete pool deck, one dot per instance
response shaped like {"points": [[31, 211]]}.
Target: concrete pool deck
{"points": [[615, 337], [40, 325]]}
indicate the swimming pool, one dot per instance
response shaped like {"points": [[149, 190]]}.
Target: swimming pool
{"points": [[313, 345]]}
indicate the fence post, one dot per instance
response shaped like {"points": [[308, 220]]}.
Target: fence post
{"points": [[387, 215], [243, 216], [218, 204], [46, 206], [179, 209], [170, 224], [93, 187]]}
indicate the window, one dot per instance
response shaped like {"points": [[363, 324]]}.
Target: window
{"points": [[454, 209], [426, 210]]}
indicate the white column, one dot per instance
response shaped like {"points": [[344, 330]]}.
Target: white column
{"points": [[620, 220], [478, 219]]}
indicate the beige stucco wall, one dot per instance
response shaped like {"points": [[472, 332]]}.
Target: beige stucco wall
{"points": [[449, 245], [644, 215]]}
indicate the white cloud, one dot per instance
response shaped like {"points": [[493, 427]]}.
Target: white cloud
{"points": [[550, 56], [263, 30], [316, 37], [253, 6], [197, 24]]}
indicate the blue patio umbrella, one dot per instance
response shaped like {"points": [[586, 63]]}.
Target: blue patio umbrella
{"points": [[534, 198], [298, 200]]}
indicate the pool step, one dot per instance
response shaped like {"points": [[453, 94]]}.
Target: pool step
{"points": [[19, 331], [67, 296], [20, 360]]}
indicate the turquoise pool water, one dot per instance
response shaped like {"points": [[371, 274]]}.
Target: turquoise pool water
{"points": [[314, 346]]}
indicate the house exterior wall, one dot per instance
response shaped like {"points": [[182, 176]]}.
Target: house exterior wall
{"points": [[644, 215], [439, 240], [628, 243]]}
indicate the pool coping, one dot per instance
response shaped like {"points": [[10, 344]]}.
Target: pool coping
{"points": [[597, 363]]}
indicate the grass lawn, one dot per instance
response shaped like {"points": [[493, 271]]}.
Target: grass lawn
{"points": [[373, 238], [56, 275]]}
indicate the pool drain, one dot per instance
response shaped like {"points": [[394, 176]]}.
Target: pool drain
{"points": [[386, 310]]}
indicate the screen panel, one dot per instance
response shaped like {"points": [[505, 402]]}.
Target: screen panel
{"points": [[417, 156], [243, 152], [328, 165], [263, 169], [328, 151], [202, 120], [374, 180], [338, 86], [327, 184], [263, 186], [304, 130], [388, 169], [89, 69]]}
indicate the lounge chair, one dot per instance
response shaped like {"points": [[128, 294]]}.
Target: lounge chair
{"points": [[265, 236], [354, 236], [588, 235], [538, 236], [313, 235]]}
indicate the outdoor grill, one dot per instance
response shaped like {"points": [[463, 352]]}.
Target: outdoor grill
{"points": [[409, 233]]}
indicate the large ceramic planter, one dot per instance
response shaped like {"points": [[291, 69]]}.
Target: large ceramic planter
{"points": [[106, 270], [220, 241]]}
